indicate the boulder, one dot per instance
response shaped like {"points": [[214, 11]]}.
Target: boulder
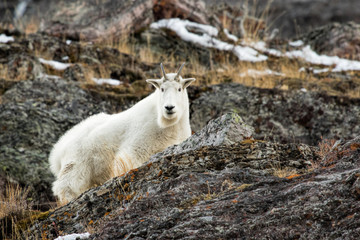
{"points": [[223, 192], [170, 191], [108, 20], [224, 130], [335, 39], [193, 10], [293, 17], [34, 114], [281, 116]]}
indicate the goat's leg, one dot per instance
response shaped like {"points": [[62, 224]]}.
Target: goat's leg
{"points": [[71, 182]]}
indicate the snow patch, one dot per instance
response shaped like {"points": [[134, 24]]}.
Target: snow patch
{"points": [[207, 38], [74, 236], [317, 71], [205, 35], [257, 73], [297, 43], [310, 56], [54, 64], [230, 36], [109, 81], [5, 39]]}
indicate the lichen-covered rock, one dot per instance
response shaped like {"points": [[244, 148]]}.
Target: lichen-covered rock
{"points": [[108, 20], [34, 114], [225, 130], [223, 192], [172, 188], [193, 10], [293, 17], [342, 40], [284, 116]]}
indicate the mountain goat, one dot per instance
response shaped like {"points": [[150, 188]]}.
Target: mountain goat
{"points": [[103, 145]]}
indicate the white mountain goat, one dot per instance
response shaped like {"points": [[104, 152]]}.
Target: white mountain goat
{"points": [[103, 145]]}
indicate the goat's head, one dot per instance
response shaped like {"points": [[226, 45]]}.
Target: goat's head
{"points": [[173, 100]]}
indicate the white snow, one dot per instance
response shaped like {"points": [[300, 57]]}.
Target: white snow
{"points": [[297, 43], [5, 39], [109, 81], [261, 46], [207, 38], [230, 36], [317, 71], [54, 64], [257, 73], [302, 69], [248, 54], [74, 236], [341, 64]]}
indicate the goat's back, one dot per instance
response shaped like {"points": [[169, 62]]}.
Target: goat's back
{"points": [[68, 144]]}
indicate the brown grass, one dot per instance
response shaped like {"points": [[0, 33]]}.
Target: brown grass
{"points": [[283, 172], [14, 200], [13, 207], [225, 71], [21, 73]]}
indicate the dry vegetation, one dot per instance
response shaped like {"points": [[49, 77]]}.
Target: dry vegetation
{"points": [[13, 206], [284, 73], [14, 203]]}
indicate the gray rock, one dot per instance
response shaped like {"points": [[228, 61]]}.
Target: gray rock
{"points": [[33, 115], [342, 40], [167, 196], [296, 17], [108, 20], [281, 116], [223, 192], [223, 131]]}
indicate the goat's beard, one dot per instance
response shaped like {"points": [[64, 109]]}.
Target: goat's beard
{"points": [[167, 120]]}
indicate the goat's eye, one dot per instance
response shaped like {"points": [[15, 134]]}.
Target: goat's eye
{"points": [[162, 90], [179, 89]]}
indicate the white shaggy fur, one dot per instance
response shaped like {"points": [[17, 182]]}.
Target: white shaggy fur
{"points": [[103, 145]]}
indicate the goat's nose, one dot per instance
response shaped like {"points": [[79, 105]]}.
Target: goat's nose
{"points": [[169, 108]]}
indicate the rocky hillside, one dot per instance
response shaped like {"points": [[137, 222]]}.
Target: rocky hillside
{"points": [[221, 183], [275, 151]]}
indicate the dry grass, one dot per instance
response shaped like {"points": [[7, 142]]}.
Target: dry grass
{"points": [[287, 75], [255, 22], [13, 207], [15, 200], [284, 172], [19, 74]]}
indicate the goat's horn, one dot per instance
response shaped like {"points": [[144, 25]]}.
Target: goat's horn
{"points": [[163, 71], [179, 71]]}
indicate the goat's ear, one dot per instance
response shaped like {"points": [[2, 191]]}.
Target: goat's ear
{"points": [[155, 82], [186, 82]]}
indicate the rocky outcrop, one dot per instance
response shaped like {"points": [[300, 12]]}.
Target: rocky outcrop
{"points": [[193, 10], [281, 116], [342, 40], [108, 20], [231, 179], [174, 183], [34, 114], [233, 190], [294, 17], [37, 107]]}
